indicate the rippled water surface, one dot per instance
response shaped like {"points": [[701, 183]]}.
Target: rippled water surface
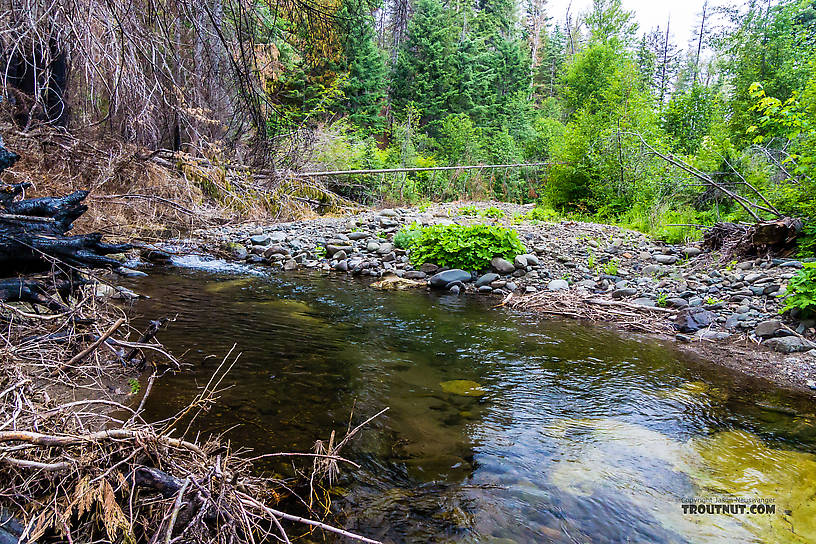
{"points": [[581, 434]]}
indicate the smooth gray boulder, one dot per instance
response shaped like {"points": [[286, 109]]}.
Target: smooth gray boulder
{"points": [[442, 279]]}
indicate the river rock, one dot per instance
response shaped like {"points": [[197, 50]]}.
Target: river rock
{"points": [[275, 250], [358, 235], [768, 328], [694, 319], [332, 249], [341, 266], [238, 251], [290, 264], [651, 270], [665, 259], [558, 285], [691, 251], [385, 248], [487, 279], [372, 246], [465, 388], [532, 260], [788, 344], [429, 268], [388, 212], [260, 239], [442, 279], [624, 292], [502, 266], [415, 275], [520, 261], [645, 301]]}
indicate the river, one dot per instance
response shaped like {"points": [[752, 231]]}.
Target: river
{"points": [[502, 428]]}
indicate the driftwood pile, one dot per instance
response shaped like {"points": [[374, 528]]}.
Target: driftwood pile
{"points": [[776, 237]]}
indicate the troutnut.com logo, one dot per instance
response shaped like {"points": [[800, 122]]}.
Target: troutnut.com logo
{"points": [[728, 505]]}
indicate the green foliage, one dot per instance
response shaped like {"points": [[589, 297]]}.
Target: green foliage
{"points": [[134, 385], [493, 212], [802, 290], [689, 115], [469, 210], [407, 235], [611, 267], [542, 214], [806, 242], [469, 248], [662, 300]]}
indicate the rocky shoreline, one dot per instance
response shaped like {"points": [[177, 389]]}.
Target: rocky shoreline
{"points": [[727, 311]]}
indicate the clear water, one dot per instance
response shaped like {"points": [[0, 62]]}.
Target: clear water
{"points": [[582, 435]]}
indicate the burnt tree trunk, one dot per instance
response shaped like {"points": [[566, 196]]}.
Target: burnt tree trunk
{"points": [[34, 238]]}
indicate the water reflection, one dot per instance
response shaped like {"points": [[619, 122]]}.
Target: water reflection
{"points": [[501, 429]]}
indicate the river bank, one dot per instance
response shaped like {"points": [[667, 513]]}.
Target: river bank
{"points": [[724, 311]]}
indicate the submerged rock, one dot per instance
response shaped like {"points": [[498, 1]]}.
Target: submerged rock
{"points": [[464, 388]]}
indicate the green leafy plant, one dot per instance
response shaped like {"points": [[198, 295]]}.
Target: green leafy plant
{"points": [[662, 300], [806, 242], [405, 237], [493, 212], [611, 267], [591, 261], [542, 214], [470, 248], [468, 210], [319, 252], [802, 291], [134, 385], [712, 300]]}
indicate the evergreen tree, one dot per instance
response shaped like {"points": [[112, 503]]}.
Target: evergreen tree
{"points": [[365, 65], [425, 71]]}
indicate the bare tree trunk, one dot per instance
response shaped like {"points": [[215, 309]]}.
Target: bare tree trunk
{"points": [[665, 62], [700, 43]]}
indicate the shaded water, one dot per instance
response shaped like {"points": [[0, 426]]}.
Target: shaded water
{"points": [[581, 435]]}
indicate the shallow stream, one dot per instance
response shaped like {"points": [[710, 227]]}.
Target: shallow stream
{"points": [[502, 428]]}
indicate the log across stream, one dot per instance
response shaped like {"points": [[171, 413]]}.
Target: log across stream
{"points": [[501, 428]]}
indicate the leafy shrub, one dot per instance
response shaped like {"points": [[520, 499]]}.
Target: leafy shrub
{"points": [[469, 210], [493, 212], [807, 241], [542, 214], [406, 236], [470, 248], [802, 290]]}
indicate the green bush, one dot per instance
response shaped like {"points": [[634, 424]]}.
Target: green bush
{"points": [[802, 290], [470, 248], [469, 210], [542, 214], [807, 242], [493, 212], [405, 237]]}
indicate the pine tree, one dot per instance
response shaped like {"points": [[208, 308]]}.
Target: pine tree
{"points": [[365, 66], [425, 71]]}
